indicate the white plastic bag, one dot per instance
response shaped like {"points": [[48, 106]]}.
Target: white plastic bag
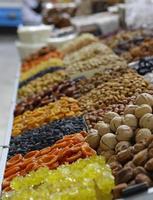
{"points": [[139, 13]]}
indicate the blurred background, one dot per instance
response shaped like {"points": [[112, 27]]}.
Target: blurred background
{"points": [[32, 24]]}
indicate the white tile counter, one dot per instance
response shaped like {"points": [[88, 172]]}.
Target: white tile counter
{"points": [[9, 73]]}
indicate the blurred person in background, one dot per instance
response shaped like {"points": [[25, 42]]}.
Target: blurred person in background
{"points": [[32, 12]]}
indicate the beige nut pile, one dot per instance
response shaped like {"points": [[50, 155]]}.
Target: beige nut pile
{"points": [[87, 52]]}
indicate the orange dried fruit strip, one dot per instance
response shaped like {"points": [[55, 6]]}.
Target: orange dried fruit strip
{"points": [[43, 115], [66, 150]]}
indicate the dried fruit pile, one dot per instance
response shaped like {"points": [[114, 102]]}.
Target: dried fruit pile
{"points": [[66, 150], [65, 107], [46, 135]]}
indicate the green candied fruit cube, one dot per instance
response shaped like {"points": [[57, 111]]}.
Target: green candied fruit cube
{"points": [[88, 178]]}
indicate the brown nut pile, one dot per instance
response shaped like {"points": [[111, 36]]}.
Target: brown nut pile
{"points": [[41, 84], [81, 41], [87, 52], [65, 107], [132, 45], [123, 36], [143, 50], [71, 88], [126, 141], [114, 91], [94, 116], [95, 64]]}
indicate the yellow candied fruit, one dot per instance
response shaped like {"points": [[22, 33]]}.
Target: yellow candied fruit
{"points": [[88, 178], [44, 65]]}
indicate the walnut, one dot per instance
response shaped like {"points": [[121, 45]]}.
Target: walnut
{"points": [[115, 123], [130, 109], [109, 116], [103, 128], [146, 121], [93, 140], [130, 120], [142, 110], [143, 134], [144, 98], [122, 146], [109, 140], [124, 133]]}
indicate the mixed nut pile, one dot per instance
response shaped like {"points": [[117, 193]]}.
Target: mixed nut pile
{"points": [[126, 142], [82, 102]]}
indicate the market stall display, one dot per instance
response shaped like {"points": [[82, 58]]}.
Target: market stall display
{"points": [[80, 101]]}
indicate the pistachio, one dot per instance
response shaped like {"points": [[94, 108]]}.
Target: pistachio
{"points": [[143, 134], [109, 116], [149, 165], [130, 164], [130, 120], [109, 140], [142, 110], [141, 158], [124, 133], [150, 153], [142, 178], [124, 156], [115, 123], [124, 175], [117, 191], [139, 147], [139, 170]]}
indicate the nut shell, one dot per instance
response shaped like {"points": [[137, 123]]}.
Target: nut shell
{"points": [[103, 128], [122, 146], [130, 120], [146, 121], [144, 98], [142, 110], [149, 165], [115, 123], [130, 109], [109, 140], [109, 116], [144, 134], [124, 133], [141, 158], [93, 140]]}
